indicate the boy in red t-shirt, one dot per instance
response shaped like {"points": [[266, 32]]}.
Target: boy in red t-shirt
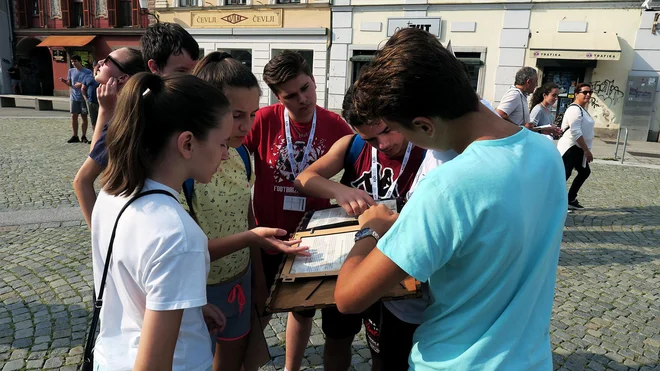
{"points": [[285, 139]]}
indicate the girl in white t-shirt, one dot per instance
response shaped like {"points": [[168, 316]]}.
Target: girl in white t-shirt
{"points": [[164, 131]]}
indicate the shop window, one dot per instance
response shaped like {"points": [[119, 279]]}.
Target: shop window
{"points": [[360, 59], [124, 13], [474, 65], [242, 55], [288, 1], [307, 54], [35, 7], [235, 2]]}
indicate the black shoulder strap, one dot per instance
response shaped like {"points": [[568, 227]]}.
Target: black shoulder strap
{"points": [[89, 346]]}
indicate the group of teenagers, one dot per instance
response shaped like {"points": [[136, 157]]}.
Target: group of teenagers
{"points": [[202, 189]]}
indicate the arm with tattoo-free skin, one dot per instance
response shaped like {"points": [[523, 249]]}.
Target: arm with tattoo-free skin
{"points": [[315, 180], [367, 274]]}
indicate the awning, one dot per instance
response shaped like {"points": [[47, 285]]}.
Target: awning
{"points": [[66, 41], [581, 46]]}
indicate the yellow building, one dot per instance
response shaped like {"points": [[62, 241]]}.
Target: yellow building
{"points": [[612, 44], [254, 31]]}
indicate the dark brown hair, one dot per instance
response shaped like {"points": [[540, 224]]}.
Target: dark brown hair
{"points": [[134, 62], [542, 90], [284, 67], [150, 109], [348, 109], [412, 76], [162, 39], [579, 87], [221, 70]]}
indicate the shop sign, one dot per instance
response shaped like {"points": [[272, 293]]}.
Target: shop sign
{"points": [[577, 55], [431, 25], [236, 19]]}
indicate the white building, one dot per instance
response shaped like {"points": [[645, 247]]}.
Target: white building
{"points": [[609, 43]]}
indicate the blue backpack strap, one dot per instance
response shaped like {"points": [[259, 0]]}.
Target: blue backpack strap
{"points": [[188, 187], [354, 149], [245, 156]]}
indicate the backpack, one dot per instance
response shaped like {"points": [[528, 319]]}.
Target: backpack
{"points": [[189, 184], [354, 150]]}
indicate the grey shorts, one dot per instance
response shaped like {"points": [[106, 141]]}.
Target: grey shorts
{"points": [[15, 82], [234, 300], [78, 107]]}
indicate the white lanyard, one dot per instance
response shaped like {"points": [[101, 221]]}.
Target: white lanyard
{"points": [[296, 167], [374, 172]]}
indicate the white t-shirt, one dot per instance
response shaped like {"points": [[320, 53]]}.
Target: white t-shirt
{"points": [[159, 262], [514, 104], [580, 123], [411, 310]]}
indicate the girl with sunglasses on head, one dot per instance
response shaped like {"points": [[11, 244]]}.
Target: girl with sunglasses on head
{"points": [[575, 143], [165, 130], [113, 73], [221, 208]]}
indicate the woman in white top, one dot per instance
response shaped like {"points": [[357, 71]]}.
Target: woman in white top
{"points": [[575, 144], [164, 131]]}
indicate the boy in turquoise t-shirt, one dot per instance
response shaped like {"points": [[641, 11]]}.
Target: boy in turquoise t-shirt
{"points": [[484, 230]]}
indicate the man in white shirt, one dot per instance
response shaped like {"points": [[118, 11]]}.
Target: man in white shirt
{"points": [[513, 106]]}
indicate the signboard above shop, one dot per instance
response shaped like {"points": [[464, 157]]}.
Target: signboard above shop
{"points": [[236, 18], [431, 25], [577, 55]]}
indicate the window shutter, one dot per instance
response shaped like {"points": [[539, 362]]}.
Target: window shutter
{"points": [[66, 21], [87, 19], [22, 6], [135, 13], [112, 13]]}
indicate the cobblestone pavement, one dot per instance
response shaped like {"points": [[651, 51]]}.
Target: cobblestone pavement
{"points": [[607, 306]]}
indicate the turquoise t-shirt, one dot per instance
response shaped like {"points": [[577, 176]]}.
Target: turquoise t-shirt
{"points": [[484, 230]]}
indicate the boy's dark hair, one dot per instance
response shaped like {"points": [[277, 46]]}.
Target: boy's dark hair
{"points": [[150, 109], [134, 62], [412, 76], [348, 109], [221, 70], [162, 39], [284, 67], [76, 57]]}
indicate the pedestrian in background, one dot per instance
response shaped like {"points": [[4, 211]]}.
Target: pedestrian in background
{"points": [[575, 143]]}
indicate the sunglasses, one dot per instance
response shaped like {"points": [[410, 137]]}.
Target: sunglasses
{"points": [[120, 67], [585, 92]]}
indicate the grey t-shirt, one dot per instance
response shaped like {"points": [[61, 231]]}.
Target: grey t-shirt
{"points": [[540, 116]]}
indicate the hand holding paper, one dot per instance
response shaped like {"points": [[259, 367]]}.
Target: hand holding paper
{"points": [[354, 201]]}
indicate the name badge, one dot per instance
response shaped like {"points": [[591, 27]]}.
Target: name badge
{"points": [[293, 203]]}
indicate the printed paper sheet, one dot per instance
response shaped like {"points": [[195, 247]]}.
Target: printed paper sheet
{"points": [[337, 215], [328, 253]]}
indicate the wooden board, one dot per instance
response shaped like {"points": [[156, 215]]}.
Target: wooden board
{"points": [[317, 293]]}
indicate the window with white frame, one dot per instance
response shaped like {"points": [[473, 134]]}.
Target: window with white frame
{"points": [[235, 2], [189, 3], [288, 1]]}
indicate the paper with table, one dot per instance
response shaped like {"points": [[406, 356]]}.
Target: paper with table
{"points": [[328, 253], [337, 215]]}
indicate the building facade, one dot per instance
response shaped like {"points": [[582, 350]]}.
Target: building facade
{"points": [[612, 44], [48, 32], [254, 31]]}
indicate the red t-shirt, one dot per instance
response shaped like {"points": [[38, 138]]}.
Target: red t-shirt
{"points": [[274, 178], [359, 175]]}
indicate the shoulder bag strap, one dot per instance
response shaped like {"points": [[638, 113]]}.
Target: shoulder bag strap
{"points": [[89, 346]]}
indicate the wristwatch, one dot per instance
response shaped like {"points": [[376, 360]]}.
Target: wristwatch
{"points": [[366, 232]]}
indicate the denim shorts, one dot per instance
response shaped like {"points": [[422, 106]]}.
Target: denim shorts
{"points": [[235, 301]]}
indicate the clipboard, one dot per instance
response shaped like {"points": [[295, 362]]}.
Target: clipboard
{"points": [[304, 222], [285, 272]]}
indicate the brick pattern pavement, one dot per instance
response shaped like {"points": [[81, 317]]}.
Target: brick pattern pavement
{"points": [[607, 304]]}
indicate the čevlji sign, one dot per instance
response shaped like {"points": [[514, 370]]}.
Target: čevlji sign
{"points": [[236, 19]]}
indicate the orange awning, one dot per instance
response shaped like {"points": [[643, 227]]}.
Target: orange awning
{"points": [[66, 40]]}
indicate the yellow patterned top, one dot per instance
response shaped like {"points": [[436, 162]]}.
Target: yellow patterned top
{"points": [[221, 207]]}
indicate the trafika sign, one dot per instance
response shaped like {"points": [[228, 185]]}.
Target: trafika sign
{"points": [[432, 25]]}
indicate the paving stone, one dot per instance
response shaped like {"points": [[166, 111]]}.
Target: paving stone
{"points": [[35, 363], [13, 365], [53, 362], [19, 354]]}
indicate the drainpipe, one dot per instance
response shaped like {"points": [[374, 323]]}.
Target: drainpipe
{"points": [[327, 63], [4, 80]]}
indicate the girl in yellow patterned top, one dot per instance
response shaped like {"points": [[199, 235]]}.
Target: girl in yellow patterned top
{"points": [[222, 209]]}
